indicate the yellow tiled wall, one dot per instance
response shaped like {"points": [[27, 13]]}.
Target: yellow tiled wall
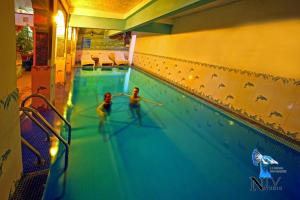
{"points": [[261, 36], [272, 101]]}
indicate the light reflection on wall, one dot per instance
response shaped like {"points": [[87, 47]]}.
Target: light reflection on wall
{"points": [[54, 148], [69, 33], [60, 22], [126, 82], [74, 34]]}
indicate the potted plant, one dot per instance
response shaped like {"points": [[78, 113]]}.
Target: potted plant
{"points": [[24, 42]]}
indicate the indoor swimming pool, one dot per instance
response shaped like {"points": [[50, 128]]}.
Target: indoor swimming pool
{"points": [[184, 149]]}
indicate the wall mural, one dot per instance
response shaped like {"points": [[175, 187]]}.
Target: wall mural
{"points": [[248, 84], [229, 97], [251, 95], [3, 158], [13, 96], [97, 39], [261, 97], [5, 103], [13, 188]]}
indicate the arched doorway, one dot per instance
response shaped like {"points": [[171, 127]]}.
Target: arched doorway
{"points": [[24, 22]]}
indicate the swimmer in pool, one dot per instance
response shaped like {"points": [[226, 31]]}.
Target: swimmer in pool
{"points": [[104, 108], [135, 99], [134, 103]]}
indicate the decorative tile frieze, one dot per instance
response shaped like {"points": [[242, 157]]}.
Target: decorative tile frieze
{"points": [[268, 100], [6, 101]]}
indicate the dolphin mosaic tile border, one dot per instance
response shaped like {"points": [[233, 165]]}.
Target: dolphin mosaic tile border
{"points": [[270, 101], [229, 69]]}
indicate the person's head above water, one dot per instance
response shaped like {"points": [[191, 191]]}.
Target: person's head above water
{"points": [[107, 97], [135, 91]]}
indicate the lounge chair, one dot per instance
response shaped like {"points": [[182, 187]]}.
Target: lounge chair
{"points": [[119, 58], [104, 60], [86, 60]]}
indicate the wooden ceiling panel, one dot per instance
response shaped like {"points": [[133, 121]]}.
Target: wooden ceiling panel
{"points": [[114, 6]]}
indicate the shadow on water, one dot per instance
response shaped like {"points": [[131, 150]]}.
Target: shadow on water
{"points": [[58, 178], [88, 116], [85, 109], [136, 120]]}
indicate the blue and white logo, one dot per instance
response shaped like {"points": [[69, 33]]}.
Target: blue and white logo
{"points": [[264, 162]]}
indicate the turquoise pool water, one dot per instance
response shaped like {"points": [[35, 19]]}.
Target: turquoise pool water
{"points": [[184, 149]]}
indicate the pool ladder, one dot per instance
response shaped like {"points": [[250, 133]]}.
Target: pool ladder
{"points": [[37, 118]]}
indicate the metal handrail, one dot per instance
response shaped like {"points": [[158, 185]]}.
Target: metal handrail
{"points": [[41, 160], [34, 112], [53, 108], [36, 122]]}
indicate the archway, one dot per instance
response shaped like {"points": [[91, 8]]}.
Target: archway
{"points": [[24, 23]]}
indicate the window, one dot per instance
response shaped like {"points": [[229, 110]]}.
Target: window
{"points": [[86, 43]]}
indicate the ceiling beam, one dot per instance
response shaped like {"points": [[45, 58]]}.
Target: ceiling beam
{"points": [[152, 27], [96, 22], [114, 32], [155, 28], [160, 9]]}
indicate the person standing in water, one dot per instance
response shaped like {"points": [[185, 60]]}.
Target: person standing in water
{"points": [[134, 103], [104, 108]]}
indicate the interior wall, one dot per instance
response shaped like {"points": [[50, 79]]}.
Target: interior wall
{"points": [[95, 41], [100, 42], [10, 146], [256, 35], [241, 56]]}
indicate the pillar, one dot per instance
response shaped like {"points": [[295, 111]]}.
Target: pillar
{"points": [[10, 142]]}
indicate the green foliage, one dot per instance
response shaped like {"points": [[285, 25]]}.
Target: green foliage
{"points": [[24, 41]]}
